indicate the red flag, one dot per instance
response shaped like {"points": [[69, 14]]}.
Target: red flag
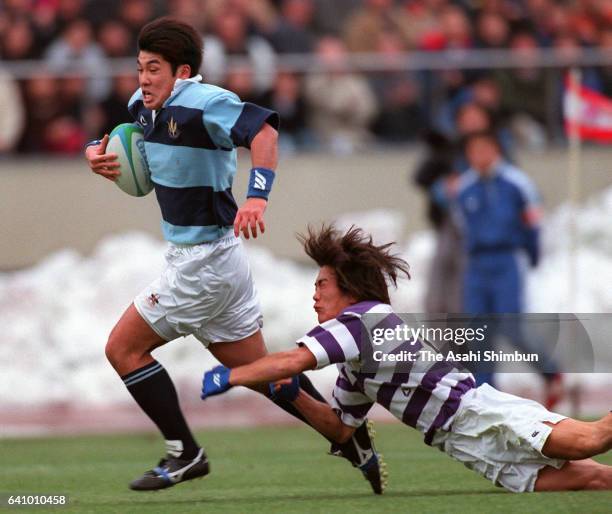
{"points": [[590, 111]]}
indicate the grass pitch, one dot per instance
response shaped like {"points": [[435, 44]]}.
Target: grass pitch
{"points": [[266, 470]]}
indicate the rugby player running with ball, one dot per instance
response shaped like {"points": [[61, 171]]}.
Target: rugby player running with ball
{"points": [[191, 132]]}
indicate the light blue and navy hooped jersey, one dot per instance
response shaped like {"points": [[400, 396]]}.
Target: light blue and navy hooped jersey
{"points": [[190, 145], [424, 395]]}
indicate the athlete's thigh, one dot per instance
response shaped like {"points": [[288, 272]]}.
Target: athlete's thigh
{"points": [[130, 340], [241, 352]]}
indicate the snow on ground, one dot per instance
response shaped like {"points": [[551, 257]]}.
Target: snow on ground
{"points": [[56, 316]]}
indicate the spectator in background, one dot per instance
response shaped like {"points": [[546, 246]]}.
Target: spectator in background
{"points": [[340, 103], [538, 19], [189, 11], [364, 28], [457, 35], [135, 14], [12, 113], [115, 39], [231, 38], [401, 117], [329, 17], [444, 164], [291, 32], [259, 15], [72, 95], [287, 99], [472, 117], [113, 111], [64, 136], [444, 279], [475, 108], [500, 213], [45, 25], [425, 32], [76, 51], [605, 72], [492, 30], [18, 41], [240, 80], [527, 92], [40, 96]]}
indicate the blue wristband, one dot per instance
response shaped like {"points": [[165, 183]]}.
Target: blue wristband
{"points": [[260, 183], [95, 142]]}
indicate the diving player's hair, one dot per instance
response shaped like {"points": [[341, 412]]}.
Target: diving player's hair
{"points": [[363, 270], [176, 41]]}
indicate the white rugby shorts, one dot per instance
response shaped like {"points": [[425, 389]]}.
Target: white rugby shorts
{"points": [[205, 290], [500, 436]]}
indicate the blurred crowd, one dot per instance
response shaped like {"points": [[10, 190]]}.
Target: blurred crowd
{"points": [[69, 96]]}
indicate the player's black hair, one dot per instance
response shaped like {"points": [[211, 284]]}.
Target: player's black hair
{"points": [[362, 268], [176, 41]]}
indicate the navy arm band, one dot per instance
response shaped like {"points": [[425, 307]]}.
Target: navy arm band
{"points": [[260, 183]]}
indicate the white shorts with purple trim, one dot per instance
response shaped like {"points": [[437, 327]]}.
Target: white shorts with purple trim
{"points": [[500, 436]]}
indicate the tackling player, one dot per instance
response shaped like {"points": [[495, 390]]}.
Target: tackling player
{"points": [[514, 442], [191, 132]]}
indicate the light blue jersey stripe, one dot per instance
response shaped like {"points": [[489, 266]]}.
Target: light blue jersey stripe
{"points": [[189, 235], [183, 166]]}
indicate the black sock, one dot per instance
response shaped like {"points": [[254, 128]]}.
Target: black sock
{"points": [[154, 392]]}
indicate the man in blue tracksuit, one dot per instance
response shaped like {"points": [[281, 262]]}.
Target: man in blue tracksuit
{"points": [[498, 208]]}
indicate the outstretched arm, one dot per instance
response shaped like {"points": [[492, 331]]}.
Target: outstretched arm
{"points": [[264, 159], [273, 367]]}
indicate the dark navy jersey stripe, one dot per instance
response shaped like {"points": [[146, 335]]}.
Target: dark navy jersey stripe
{"points": [[249, 123], [176, 125], [196, 206]]}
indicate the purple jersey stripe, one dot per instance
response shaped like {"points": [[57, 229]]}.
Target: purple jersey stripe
{"points": [[385, 394], [353, 325], [357, 411], [345, 385], [387, 390], [449, 408], [331, 346], [422, 393], [350, 378], [390, 321], [361, 307]]}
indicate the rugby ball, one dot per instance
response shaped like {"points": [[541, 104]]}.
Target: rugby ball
{"points": [[127, 141]]}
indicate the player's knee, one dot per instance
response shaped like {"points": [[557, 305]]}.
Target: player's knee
{"points": [[111, 352], [116, 350]]}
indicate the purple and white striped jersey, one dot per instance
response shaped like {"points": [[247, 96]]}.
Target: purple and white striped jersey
{"points": [[424, 395]]}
